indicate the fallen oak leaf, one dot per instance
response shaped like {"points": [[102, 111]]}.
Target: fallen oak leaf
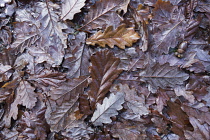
{"points": [[108, 109], [70, 8], [120, 37]]}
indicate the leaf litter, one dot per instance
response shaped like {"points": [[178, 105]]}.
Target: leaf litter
{"points": [[104, 69]]}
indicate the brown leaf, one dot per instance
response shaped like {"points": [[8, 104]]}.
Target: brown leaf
{"points": [[103, 72], [33, 125], [84, 104], [100, 14], [168, 20], [4, 93], [162, 76], [161, 100], [68, 90], [126, 130], [77, 57], [120, 37], [201, 131], [180, 120], [47, 77], [200, 113]]}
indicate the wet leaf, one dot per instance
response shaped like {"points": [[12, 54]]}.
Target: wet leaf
{"points": [[103, 72]]}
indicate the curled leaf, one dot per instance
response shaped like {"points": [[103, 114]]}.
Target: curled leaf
{"points": [[120, 37]]}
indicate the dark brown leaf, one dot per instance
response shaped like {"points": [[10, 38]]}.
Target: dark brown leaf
{"points": [[103, 72], [180, 120]]}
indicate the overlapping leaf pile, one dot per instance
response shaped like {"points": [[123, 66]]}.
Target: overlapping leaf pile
{"points": [[105, 69]]}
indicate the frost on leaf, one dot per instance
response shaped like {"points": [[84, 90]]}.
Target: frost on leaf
{"points": [[162, 76], [103, 72], [120, 37], [4, 72], [70, 8], [107, 109], [26, 95]]}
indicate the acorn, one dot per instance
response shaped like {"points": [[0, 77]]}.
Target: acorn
{"points": [[182, 47]]}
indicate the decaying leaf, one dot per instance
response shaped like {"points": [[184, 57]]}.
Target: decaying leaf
{"points": [[71, 7], [78, 130], [120, 37], [46, 78], [46, 25], [56, 83], [108, 109], [180, 120], [27, 35], [4, 74], [125, 131], [26, 95], [9, 134]]}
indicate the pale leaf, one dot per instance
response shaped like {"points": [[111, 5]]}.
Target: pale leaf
{"points": [[108, 109], [70, 8]]}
